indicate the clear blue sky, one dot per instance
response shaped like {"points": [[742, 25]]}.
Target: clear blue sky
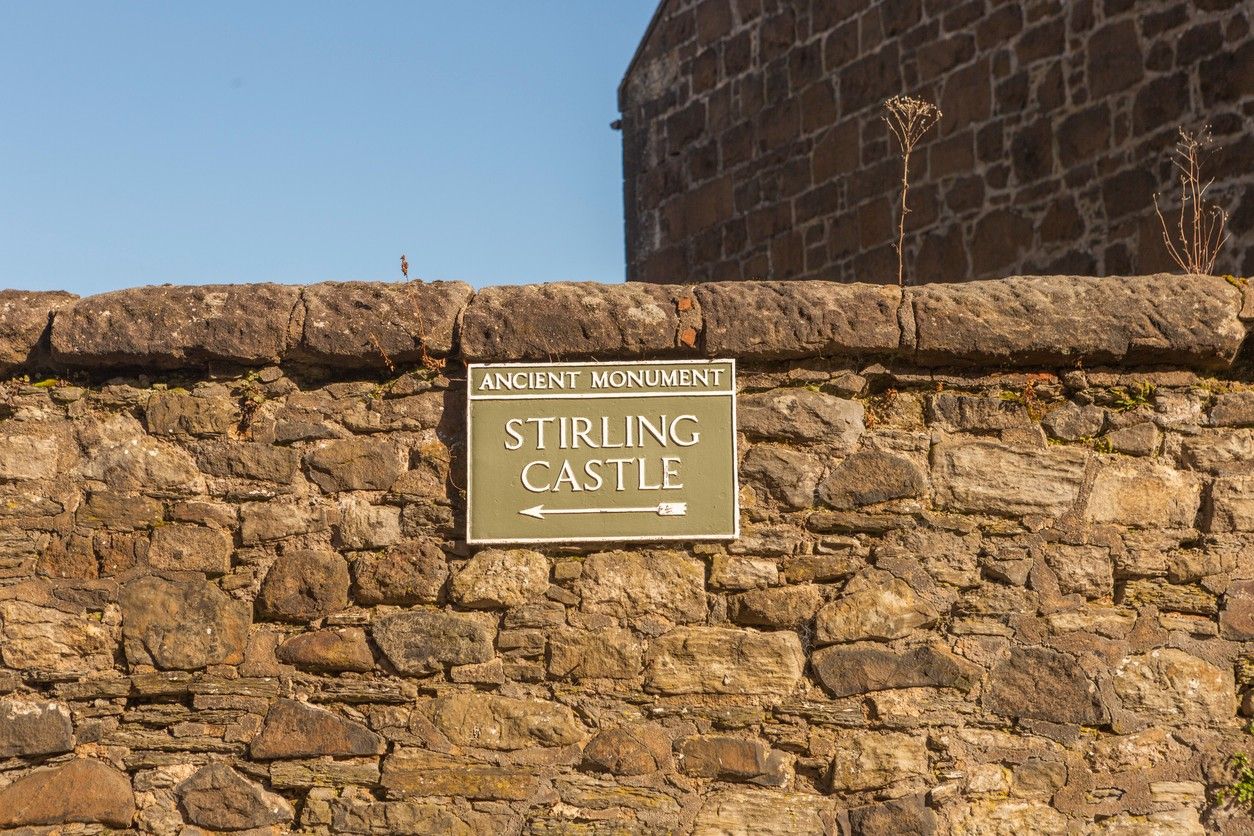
{"points": [[196, 142]]}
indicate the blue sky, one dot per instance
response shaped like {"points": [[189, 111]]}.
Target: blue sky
{"points": [[186, 142]]}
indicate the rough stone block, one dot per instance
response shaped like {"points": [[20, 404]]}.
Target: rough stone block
{"points": [[293, 729], [1043, 684], [415, 772], [182, 624], [1143, 494], [778, 320], [219, 798], [636, 749], [486, 721], [496, 578], [611, 653], [304, 585], [634, 585], [716, 660], [83, 790], [172, 327], [1231, 504], [873, 605], [422, 641], [577, 320], [995, 478], [190, 548], [377, 325], [34, 727], [413, 572], [1170, 687], [846, 670], [24, 319], [1065, 320], [802, 415]]}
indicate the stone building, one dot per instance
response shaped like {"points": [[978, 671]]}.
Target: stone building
{"points": [[753, 147]]}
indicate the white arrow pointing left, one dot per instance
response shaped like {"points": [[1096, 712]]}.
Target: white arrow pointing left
{"points": [[662, 509]]}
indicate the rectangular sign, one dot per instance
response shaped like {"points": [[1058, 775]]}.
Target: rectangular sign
{"points": [[577, 452]]}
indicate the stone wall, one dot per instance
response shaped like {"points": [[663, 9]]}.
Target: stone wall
{"points": [[753, 145], [996, 572]]}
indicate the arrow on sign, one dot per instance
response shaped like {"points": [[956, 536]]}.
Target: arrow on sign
{"points": [[662, 509]]}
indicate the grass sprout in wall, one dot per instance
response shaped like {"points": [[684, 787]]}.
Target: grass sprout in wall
{"points": [[1200, 231], [909, 119]]}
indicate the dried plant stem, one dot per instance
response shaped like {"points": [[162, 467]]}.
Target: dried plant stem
{"points": [[909, 119], [1201, 228]]}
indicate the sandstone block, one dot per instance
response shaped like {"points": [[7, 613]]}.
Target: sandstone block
{"points": [[1073, 422], [372, 324], [248, 460], [733, 759], [83, 790], [355, 464], [762, 812], [182, 624], [191, 548], [1171, 688], [873, 605], [24, 318], [422, 641], [869, 477], [1137, 440], [39, 635], [177, 414], [1061, 320], [486, 721], [328, 650], [171, 327], [127, 460], [783, 606], [788, 475], [1086, 570], [877, 761], [846, 670], [1233, 409], [611, 653], [293, 729], [1043, 684], [636, 749], [219, 798], [572, 320], [1236, 622], [265, 522], [776, 320], [365, 526], [414, 772], [730, 572], [717, 660], [303, 586], [635, 584], [1170, 597], [902, 815], [496, 578], [995, 478], [1143, 494], [802, 415], [1231, 504], [27, 457], [34, 727], [413, 572]]}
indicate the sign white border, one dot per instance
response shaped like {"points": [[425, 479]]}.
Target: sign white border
{"points": [[734, 534]]}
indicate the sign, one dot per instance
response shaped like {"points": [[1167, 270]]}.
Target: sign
{"points": [[577, 452]]}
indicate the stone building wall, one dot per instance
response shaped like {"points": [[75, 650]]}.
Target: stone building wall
{"points": [[996, 572], [753, 145]]}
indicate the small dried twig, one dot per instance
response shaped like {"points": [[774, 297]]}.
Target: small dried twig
{"points": [[387, 361], [404, 266], [1201, 229], [909, 119]]}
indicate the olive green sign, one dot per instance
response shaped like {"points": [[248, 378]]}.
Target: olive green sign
{"points": [[574, 452]]}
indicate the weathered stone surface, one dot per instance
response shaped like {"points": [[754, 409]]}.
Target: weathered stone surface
{"points": [[858, 669], [304, 585], [1073, 422], [763, 813], [1043, 684], [633, 584], [182, 624], [487, 721], [1231, 504], [995, 478], [412, 572], [355, 464], [873, 605], [958, 412], [128, 460], [1170, 597], [730, 572], [1085, 570], [422, 641], [1236, 622], [264, 522], [179, 414], [775, 320], [28, 457], [636, 749], [41, 633], [293, 729], [219, 798], [24, 317], [784, 606], [170, 327], [248, 460], [572, 320], [877, 761], [909, 815], [34, 727], [733, 759], [83, 790], [328, 650], [716, 660], [611, 653], [191, 548], [1137, 440], [1169, 687], [414, 772], [496, 578], [788, 475], [1144, 494], [377, 325], [868, 477], [1062, 320], [802, 415], [1233, 409], [357, 816], [365, 526]]}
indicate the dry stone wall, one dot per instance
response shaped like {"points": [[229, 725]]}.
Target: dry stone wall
{"points": [[996, 572]]}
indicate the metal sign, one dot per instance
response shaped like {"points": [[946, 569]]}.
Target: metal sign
{"points": [[577, 452]]}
